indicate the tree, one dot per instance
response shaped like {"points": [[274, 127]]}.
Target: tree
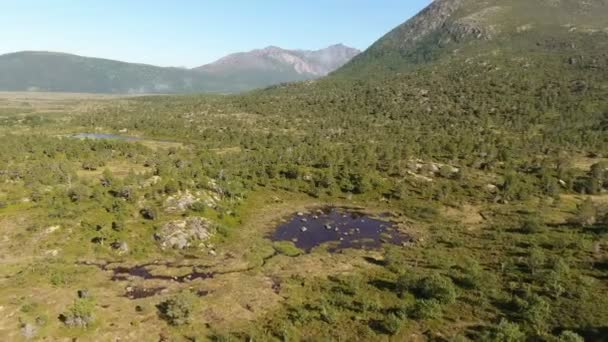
{"points": [[586, 213]]}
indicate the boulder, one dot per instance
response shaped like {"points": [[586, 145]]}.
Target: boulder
{"points": [[29, 331], [181, 234], [120, 246]]}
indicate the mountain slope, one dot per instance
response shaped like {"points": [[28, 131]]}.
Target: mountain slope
{"points": [[493, 71], [49, 71], [456, 27], [274, 65]]}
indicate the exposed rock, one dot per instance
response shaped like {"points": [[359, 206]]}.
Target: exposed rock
{"points": [[52, 253], [83, 293], [52, 229], [476, 25], [181, 233], [29, 331], [491, 188], [180, 202], [151, 181], [120, 246]]}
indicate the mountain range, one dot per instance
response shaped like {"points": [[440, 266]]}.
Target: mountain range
{"points": [[60, 72]]}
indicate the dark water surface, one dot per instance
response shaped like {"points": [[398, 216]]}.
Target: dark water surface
{"points": [[341, 227], [104, 136], [123, 273]]}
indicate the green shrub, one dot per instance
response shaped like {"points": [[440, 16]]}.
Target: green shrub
{"points": [[505, 331], [532, 225], [177, 309], [437, 287], [427, 309], [287, 248], [537, 314], [80, 315], [569, 336], [390, 324]]}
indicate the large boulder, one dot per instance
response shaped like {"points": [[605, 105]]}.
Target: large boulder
{"points": [[181, 234]]}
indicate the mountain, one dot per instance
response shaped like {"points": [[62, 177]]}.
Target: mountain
{"points": [[50, 71], [456, 28], [466, 76], [60, 72], [274, 65]]}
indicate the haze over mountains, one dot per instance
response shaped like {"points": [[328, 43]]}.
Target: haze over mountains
{"points": [[60, 72]]}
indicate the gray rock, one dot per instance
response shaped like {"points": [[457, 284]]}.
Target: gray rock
{"points": [[29, 331], [181, 233]]}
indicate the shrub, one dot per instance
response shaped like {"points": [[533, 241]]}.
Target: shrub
{"points": [[532, 225], [427, 309], [537, 314], [118, 225], [586, 213], [198, 207], [506, 332], [569, 336], [287, 248], [80, 315], [391, 324], [437, 287], [177, 309], [149, 213]]}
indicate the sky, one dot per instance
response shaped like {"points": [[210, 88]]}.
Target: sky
{"points": [[190, 33]]}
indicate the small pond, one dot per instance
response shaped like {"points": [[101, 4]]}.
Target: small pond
{"points": [[340, 227], [104, 136]]}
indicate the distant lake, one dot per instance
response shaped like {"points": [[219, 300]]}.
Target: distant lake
{"points": [[104, 136]]}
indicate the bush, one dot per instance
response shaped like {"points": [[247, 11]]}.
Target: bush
{"points": [[537, 314], [149, 213], [287, 248], [506, 332], [569, 336], [177, 309], [80, 315], [437, 287], [391, 324], [532, 225], [118, 225], [427, 309], [198, 207]]}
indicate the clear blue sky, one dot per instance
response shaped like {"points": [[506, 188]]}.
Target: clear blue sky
{"points": [[191, 33]]}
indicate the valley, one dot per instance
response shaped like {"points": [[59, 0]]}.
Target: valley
{"points": [[448, 184]]}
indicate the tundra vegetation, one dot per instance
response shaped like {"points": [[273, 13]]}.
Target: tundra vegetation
{"points": [[495, 163]]}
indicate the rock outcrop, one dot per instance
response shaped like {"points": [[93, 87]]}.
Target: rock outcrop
{"points": [[181, 234]]}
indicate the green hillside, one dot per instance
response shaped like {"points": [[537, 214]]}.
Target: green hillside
{"points": [[457, 29]]}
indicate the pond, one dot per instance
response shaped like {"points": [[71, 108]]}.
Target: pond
{"points": [[340, 228], [104, 136]]}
